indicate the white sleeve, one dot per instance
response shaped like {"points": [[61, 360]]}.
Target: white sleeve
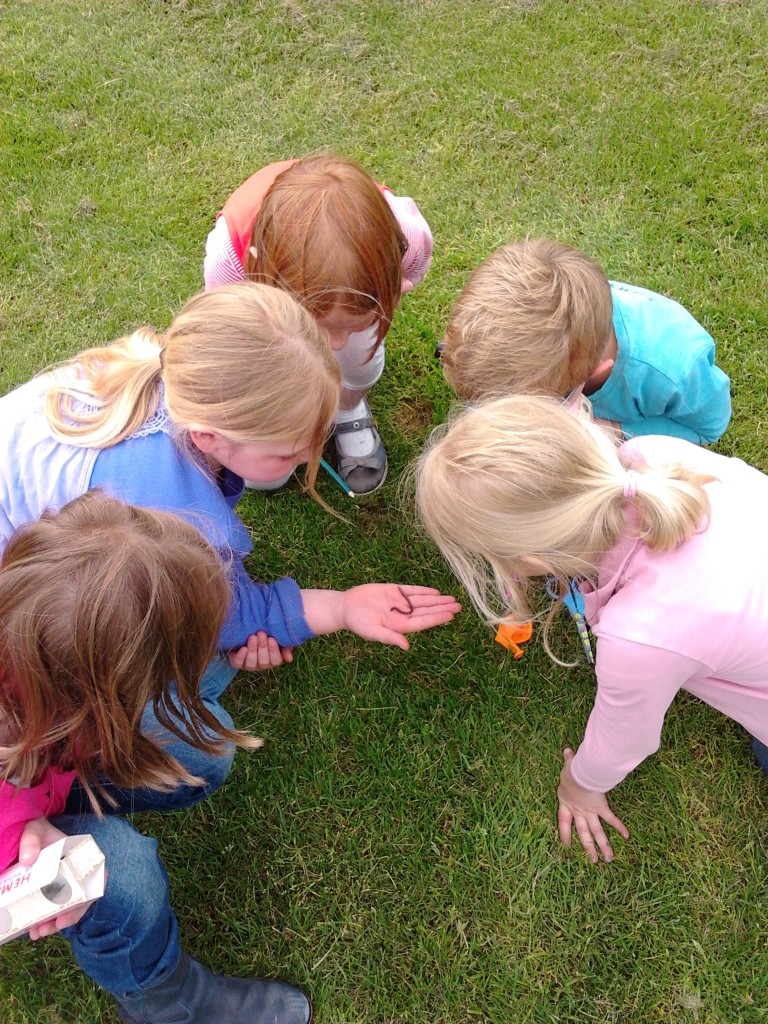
{"points": [[221, 265]]}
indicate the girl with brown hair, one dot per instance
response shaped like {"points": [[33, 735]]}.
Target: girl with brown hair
{"points": [[109, 704]]}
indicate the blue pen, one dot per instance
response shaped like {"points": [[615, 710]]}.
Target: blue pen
{"points": [[574, 602], [336, 478]]}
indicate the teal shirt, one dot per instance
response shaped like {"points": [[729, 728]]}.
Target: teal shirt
{"points": [[665, 380]]}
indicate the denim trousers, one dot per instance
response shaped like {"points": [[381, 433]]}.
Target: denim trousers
{"points": [[129, 938]]}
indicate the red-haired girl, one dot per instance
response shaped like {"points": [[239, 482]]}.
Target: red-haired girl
{"points": [[347, 249]]}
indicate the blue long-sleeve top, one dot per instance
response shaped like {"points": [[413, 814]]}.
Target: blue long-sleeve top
{"points": [[665, 380], [154, 472]]}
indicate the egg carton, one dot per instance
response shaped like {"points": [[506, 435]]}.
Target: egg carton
{"points": [[66, 875]]}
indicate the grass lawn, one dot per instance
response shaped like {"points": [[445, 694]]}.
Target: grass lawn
{"points": [[393, 848]]}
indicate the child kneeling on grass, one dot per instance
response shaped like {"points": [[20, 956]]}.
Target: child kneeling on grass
{"points": [[243, 384], [347, 249], [538, 317], [667, 541], [109, 704]]}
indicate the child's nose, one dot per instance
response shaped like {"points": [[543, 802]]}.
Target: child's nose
{"points": [[339, 340]]}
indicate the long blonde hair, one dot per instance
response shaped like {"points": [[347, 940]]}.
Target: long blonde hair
{"points": [[534, 318], [521, 486], [244, 360], [103, 606]]}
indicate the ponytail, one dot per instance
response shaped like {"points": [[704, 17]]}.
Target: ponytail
{"points": [[244, 360], [105, 394]]}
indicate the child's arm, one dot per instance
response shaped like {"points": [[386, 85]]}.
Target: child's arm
{"points": [[636, 685], [379, 611], [376, 611], [695, 407]]}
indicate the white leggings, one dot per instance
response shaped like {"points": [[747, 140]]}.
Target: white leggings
{"points": [[356, 373]]}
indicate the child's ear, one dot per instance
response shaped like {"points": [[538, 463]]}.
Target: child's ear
{"points": [[254, 254], [207, 441], [599, 376]]}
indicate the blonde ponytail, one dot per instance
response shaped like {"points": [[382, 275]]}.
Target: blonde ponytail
{"points": [[108, 393], [669, 504], [521, 487]]}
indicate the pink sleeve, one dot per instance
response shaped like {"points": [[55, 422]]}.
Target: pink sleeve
{"points": [[18, 806], [636, 684], [221, 265], [418, 256]]}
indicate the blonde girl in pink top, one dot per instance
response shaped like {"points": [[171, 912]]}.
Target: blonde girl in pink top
{"points": [[668, 540]]}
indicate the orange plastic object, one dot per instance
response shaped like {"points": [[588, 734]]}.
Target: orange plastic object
{"points": [[512, 634]]}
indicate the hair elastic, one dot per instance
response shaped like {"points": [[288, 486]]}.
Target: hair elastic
{"points": [[630, 484]]}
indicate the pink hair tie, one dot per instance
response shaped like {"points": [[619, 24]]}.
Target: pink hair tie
{"points": [[630, 484]]}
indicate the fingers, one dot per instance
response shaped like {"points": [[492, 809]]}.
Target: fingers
{"points": [[416, 623], [29, 850], [564, 824], [392, 639], [589, 829], [617, 823], [413, 590], [260, 652], [56, 924], [33, 839], [442, 603], [592, 834]]}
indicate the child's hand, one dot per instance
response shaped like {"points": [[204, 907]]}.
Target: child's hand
{"points": [[260, 652], [384, 611], [585, 809], [38, 834]]}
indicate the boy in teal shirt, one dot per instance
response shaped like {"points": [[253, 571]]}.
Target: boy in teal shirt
{"points": [[538, 317]]}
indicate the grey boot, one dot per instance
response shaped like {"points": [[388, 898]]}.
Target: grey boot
{"points": [[193, 995]]}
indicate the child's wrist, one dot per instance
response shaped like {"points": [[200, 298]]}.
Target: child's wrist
{"points": [[324, 610]]}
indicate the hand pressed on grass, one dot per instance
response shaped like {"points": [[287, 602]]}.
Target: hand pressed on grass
{"points": [[586, 811]]}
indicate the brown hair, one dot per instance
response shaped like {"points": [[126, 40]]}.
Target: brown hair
{"points": [[102, 605], [244, 360], [534, 318], [326, 234]]}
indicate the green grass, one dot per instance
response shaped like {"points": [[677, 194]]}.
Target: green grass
{"points": [[394, 848]]}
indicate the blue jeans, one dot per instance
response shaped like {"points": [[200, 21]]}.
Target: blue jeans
{"points": [[761, 753], [129, 938]]}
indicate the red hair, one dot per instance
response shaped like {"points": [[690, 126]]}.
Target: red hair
{"points": [[325, 233]]}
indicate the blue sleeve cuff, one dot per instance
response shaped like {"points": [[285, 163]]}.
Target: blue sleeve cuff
{"points": [[275, 608]]}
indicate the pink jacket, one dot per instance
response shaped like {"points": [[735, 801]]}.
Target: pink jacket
{"points": [[695, 619], [18, 806]]}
